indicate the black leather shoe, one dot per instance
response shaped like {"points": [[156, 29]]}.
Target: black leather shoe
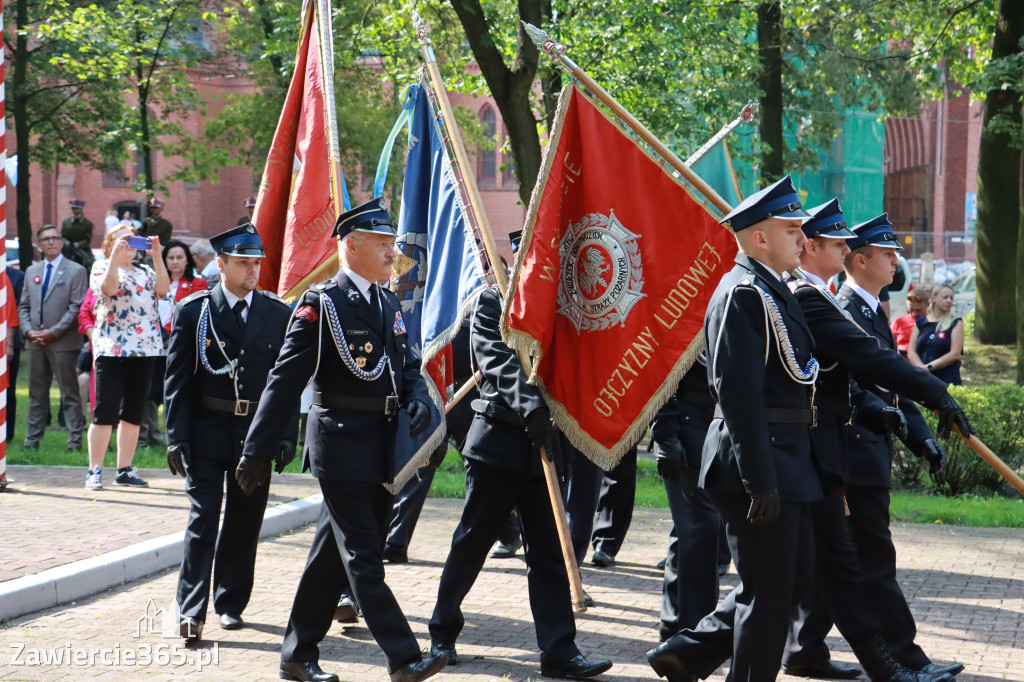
{"points": [[602, 558], [723, 569], [307, 671], [666, 630], [577, 668], [445, 649], [190, 629], [503, 551], [822, 670], [347, 610], [668, 665], [935, 669], [230, 621], [588, 601], [421, 669], [395, 554]]}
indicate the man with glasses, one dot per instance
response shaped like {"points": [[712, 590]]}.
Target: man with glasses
{"points": [[48, 316]]}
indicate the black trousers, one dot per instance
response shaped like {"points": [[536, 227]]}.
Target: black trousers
{"points": [[408, 505], [491, 493], [615, 505], [690, 589], [12, 392], [231, 558], [346, 551], [751, 623], [581, 504]]}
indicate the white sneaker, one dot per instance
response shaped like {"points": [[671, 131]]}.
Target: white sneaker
{"points": [[94, 480]]}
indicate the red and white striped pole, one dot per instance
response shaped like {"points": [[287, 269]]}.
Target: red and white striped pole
{"points": [[5, 290]]}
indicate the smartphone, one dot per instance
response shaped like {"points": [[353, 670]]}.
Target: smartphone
{"points": [[140, 243]]}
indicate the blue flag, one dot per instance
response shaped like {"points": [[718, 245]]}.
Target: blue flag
{"points": [[444, 268]]}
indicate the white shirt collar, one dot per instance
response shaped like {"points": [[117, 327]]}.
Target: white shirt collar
{"points": [[361, 282], [868, 298], [232, 299], [55, 262], [813, 279]]}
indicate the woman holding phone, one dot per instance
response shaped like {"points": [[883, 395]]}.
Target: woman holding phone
{"points": [[126, 341]]}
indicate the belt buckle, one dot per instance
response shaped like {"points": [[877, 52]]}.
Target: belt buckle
{"points": [[241, 408]]}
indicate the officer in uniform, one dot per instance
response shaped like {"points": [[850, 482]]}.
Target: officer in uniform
{"points": [[223, 345], [348, 335], [77, 234], [155, 225], [844, 348], [503, 470], [250, 208], [690, 589], [757, 463]]}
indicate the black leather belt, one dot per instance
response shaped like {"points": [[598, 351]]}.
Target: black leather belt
{"points": [[844, 411], [779, 415], [701, 398], [496, 411], [239, 408], [348, 402]]}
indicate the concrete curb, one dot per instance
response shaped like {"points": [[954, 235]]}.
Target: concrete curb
{"points": [[79, 579]]}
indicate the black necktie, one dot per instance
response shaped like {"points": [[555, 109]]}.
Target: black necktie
{"points": [[239, 309], [376, 305]]}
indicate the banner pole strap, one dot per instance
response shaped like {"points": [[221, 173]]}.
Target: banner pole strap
{"points": [[556, 51], [475, 202]]}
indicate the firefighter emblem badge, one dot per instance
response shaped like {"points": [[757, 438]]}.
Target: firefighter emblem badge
{"points": [[602, 274]]}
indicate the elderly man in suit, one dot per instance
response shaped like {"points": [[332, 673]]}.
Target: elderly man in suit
{"points": [[48, 315]]}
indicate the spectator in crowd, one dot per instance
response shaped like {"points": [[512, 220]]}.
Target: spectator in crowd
{"points": [[903, 327], [86, 371], [110, 221], [54, 290], [206, 262], [15, 344], [250, 209], [181, 268], [937, 340], [155, 225], [126, 339], [77, 232]]}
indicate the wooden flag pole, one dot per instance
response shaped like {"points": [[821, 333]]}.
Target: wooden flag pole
{"points": [[326, 41], [556, 51], [993, 460], [463, 391], [476, 205]]}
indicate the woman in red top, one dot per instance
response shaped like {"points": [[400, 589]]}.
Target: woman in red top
{"points": [[903, 327], [182, 270]]}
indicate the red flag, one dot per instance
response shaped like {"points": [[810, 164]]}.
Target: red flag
{"points": [[618, 262], [295, 209]]}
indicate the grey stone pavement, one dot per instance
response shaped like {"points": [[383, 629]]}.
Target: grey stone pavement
{"points": [[965, 586]]}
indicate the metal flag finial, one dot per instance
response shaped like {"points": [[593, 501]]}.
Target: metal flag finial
{"points": [[421, 28], [544, 42]]}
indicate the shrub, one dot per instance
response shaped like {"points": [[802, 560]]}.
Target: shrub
{"points": [[997, 414]]}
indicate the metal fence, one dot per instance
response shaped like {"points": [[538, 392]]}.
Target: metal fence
{"points": [[953, 247]]}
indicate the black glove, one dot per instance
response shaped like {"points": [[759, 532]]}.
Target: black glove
{"points": [[764, 507], [539, 427], [252, 472], [893, 421], [419, 417], [553, 451], [932, 451], [671, 458], [285, 457], [438, 455], [177, 454], [951, 414]]}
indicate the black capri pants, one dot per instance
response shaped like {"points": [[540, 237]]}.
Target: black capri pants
{"points": [[122, 389]]}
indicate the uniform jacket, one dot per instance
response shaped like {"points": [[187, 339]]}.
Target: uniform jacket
{"points": [[161, 228], [355, 445], [871, 452], [77, 231], [215, 433], [17, 278], [847, 351], [743, 452], [687, 414], [492, 440], [60, 308]]}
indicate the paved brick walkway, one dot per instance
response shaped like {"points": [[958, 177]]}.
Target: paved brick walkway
{"points": [[966, 587]]}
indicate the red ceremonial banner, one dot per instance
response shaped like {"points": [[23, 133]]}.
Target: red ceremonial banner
{"points": [[295, 211], [619, 259]]}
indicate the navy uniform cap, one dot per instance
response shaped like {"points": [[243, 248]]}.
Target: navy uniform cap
{"points": [[515, 238], [372, 217], [778, 200], [242, 240], [827, 220], [875, 232]]}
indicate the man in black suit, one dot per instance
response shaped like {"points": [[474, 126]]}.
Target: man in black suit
{"points": [[757, 463], [348, 335], [223, 345], [846, 349], [503, 470]]}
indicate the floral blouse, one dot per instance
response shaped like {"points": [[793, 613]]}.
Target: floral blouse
{"points": [[127, 325]]}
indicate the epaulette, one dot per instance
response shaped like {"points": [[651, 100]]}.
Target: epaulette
{"points": [[273, 297], [195, 296], [326, 284]]}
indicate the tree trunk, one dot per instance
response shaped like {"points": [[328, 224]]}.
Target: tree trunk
{"points": [[999, 210], [1020, 271], [22, 136], [769, 52]]}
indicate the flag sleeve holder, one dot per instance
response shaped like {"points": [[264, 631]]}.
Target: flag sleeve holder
{"points": [[491, 249]]}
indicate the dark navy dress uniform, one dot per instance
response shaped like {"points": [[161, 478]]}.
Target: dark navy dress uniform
{"points": [[204, 412], [503, 471], [690, 589]]}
